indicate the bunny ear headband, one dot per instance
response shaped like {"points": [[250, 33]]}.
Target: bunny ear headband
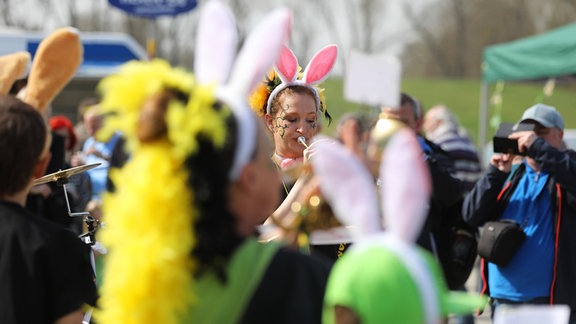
{"points": [[216, 55], [58, 57], [158, 204], [12, 67], [287, 69], [381, 264]]}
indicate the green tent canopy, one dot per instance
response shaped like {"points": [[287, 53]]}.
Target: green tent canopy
{"points": [[550, 54], [546, 55]]}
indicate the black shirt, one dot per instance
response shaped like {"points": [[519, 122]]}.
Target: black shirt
{"points": [[45, 270], [291, 291]]}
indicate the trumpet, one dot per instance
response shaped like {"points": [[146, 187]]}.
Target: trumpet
{"points": [[304, 210]]}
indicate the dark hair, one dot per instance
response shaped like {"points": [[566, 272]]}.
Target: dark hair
{"points": [[414, 104], [215, 226], [23, 136]]}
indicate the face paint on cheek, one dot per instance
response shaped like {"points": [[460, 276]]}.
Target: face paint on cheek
{"points": [[281, 127], [281, 122]]}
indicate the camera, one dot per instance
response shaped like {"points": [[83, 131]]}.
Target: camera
{"points": [[502, 144]]}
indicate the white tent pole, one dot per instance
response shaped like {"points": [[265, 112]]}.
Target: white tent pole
{"points": [[483, 119]]}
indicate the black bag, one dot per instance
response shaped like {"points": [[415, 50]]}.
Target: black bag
{"points": [[457, 247], [462, 255], [500, 240]]}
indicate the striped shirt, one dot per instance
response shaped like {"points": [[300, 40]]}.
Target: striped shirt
{"points": [[463, 153]]}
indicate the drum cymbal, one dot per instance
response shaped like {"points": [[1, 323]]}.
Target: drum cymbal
{"points": [[66, 173]]}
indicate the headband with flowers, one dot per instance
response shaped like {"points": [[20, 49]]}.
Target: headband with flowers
{"points": [[287, 73]]}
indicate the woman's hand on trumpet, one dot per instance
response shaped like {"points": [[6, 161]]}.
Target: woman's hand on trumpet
{"points": [[309, 151]]}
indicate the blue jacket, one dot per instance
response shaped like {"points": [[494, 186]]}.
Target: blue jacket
{"points": [[486, 201]]}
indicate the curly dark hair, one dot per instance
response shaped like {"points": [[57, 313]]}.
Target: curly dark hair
{"points": [[215, 226]]}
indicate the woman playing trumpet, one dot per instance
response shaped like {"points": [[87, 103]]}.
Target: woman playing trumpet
{"points": [[292, 107]]}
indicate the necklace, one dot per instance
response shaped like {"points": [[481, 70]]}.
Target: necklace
{"points": [[276, 158]]}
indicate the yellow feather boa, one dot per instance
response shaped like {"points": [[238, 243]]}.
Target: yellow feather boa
{"points": [[148, 276], [148, 273]]}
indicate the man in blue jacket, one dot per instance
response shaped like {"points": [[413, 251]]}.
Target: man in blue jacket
{"points": [[538, 191]]}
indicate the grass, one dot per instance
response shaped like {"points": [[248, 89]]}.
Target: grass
{"points": [[462, 96]]}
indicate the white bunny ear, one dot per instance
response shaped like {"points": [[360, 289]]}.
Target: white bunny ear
{"points": [[405, 189], [320, 65], [287, 65], [347, 185], [260, 50], [215, 44]]}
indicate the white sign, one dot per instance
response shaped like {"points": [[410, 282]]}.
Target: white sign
{"points": [[373, 79], [532, 314]]}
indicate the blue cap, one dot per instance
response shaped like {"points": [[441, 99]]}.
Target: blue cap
{"points": [[545, 115]]}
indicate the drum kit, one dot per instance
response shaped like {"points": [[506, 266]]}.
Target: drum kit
{"points": [[61, 178]]}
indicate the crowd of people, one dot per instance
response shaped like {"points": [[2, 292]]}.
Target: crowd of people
{"points": [[224, 202]]}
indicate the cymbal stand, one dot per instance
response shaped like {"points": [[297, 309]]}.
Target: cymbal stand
{"points": [[88, 237]]}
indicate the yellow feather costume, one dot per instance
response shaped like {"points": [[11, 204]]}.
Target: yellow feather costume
{"points": [[148, 277]]}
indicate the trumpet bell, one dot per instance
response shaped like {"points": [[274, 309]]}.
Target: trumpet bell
{"points": [[315, 214], [379, 136]]}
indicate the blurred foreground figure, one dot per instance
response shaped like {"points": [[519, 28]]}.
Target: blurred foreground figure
{"points": [[181, 223], [384, 277], [45, 272]]}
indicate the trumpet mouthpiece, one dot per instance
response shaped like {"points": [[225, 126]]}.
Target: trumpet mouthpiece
{"points": [[302, 140]]}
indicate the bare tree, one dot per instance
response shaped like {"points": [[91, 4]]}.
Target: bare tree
{"points": [[427, 39], [454, 34], [325, 11], [5, 7]]}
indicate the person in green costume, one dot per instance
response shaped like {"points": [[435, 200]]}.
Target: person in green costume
{"points": [[200, 149], [384, 277]]}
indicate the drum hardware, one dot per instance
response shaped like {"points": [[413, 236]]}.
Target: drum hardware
{"points": [[61, 179]]}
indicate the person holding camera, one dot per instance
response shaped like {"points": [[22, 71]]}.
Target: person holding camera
{"points": [[539, 194]]}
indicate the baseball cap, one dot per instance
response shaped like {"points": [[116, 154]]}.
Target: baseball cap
{"points": [[546, 115]]}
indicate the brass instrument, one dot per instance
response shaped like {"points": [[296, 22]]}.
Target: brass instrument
{"points": [[382, 131], [305, 210]]}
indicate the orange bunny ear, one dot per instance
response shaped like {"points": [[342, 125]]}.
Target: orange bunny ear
{"points": [[57, 58], [12, 67]]}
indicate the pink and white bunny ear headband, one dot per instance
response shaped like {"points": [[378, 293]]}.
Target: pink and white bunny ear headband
{"points": [[236, 75], [316, 71]]}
